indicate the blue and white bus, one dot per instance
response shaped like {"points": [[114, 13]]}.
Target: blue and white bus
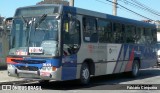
{"points": [[56, 42]]}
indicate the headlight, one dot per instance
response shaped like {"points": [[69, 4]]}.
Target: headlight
{"points": [[47, 68]]}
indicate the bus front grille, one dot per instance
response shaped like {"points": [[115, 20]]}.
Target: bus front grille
{"points": [[28, 68]]}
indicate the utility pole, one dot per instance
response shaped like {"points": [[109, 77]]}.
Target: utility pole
{"points": [[71, 3], [115, 7]]}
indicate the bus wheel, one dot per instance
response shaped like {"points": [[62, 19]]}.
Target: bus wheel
{"points": [[135, 68], [84, 74]]}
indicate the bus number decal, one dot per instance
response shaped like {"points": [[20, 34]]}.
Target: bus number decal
{"points": [[35, 50]]}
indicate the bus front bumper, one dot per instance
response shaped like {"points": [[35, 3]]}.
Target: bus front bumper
{"points": [[15, 72], [40, 74]]}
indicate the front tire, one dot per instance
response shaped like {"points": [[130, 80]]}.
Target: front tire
{"points": [[84, 74]]}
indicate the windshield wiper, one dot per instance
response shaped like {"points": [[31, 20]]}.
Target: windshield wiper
{"points": [[24, 21], [43, 17]]}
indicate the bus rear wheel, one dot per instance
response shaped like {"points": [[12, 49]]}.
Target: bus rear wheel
{"points": [[135, 69], [84, 74]]}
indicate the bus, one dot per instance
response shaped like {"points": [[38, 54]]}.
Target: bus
{"points": [[56, 42]]}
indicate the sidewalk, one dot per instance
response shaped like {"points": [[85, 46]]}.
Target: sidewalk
{"points": [[5, 78]]}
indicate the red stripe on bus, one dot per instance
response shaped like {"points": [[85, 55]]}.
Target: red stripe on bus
{"points": [[129, 64]]}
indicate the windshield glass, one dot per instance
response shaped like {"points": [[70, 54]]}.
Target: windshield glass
{"points": [[34, 36]]}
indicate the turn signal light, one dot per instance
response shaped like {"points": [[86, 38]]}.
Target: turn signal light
{"points": [[54, 68]]}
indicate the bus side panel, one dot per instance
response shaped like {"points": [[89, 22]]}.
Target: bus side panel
{"points": [[123, 59], [119, 57], [148, 57], [114, 58], [131, 55], [126, 57]]}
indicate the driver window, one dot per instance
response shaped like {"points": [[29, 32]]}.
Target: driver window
{"points": [[71, 36]]}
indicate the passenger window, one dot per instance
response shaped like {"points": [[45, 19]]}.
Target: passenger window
{"points": [[141, 39], [118, 38], [148, 35], [104, 31], [130, 33], [89, 30], [154, 34]]}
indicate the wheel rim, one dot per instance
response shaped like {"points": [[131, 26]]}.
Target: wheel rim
{"points": [[135, 69], [85, 73]]}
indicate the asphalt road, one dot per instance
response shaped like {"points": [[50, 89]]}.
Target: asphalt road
{"points": [[116, 81]]}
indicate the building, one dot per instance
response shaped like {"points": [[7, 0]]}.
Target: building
{"points": [[4, 42], [64, 2]]}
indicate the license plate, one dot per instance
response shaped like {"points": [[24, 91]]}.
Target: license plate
{"points": [[44, 74], [26, 75]]}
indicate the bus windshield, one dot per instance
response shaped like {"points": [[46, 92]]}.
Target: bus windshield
{"points": [[34, 36]]}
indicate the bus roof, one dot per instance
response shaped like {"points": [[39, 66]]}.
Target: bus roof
{"points": [[75, 10], [107, 16]]}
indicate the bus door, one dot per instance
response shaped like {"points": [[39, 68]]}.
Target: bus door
{"points": [[70, 46]]}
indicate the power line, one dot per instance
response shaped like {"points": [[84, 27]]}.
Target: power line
{"points": [[132, 4], [120, 6], [130, 10], [146, 7], [103, 2], [140, 6]]}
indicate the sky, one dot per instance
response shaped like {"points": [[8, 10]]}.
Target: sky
{"points": [[8, 7]]}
